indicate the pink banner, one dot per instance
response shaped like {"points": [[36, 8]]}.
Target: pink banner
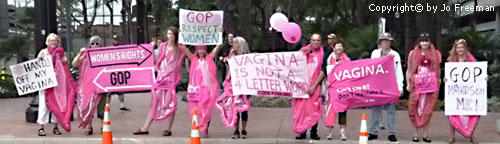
{"points": [[425, 82], [121, 68], [361, 83]]}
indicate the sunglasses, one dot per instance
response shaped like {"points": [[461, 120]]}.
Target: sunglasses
{"points": [[94, 43]]}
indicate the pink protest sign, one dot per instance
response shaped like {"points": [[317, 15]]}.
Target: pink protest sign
{"points": [[425, 82], [270, 74], [120, 68], [361, 83]]}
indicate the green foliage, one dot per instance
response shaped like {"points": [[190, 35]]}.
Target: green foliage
{"points": [[276, 102], [7, 87], [360, 42], [13, 44], [494, 104]]}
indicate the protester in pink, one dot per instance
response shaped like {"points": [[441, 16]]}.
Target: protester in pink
{"points": [[463, 123], [58, 101], [423, 58], [164, 99], [87, 99], [231, 105], [307, 111], [338, 56], [203, 88]]}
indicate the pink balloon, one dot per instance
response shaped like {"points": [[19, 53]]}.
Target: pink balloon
{"points": [[278, 21], [291, 33]]}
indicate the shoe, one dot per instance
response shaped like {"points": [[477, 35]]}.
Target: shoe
{"points": [[167, 133], [416, 139], [243, 134], [41, 132], [473, 140], [301, 137], [140, 132], [427, 140], [125, 109], [392, 138], [90, 131], [342, 135], [329, 136], [56, 131], [451, 140], [372, 137], [236, 134], [315, 137]]}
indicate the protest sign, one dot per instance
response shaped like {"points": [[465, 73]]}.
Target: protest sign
{"points": [[200, 27], [121, 68], [360, 83], [465, 88], [34, 75], [425, 82], [270, 74]]}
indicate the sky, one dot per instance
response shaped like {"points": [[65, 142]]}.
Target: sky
{"points": [[100, 10]]}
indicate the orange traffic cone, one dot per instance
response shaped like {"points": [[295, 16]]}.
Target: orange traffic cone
{"points": [[107, 137], [195, 130], [363, 134]]}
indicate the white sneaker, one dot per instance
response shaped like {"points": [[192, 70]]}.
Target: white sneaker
{"points": [[329, 136], [342, 135]]}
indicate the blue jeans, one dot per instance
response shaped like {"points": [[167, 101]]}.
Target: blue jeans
{"points": [[391, 119]]}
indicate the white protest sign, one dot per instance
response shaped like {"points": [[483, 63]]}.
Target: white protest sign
{"points": [[200, 27], [465, 88], [34, 75], [270, 74]]}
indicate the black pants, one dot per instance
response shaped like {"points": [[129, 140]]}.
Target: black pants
{"points": [[244, 116]]}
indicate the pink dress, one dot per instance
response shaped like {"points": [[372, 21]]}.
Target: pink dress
{"points": [[164, 99], [230, 105], [462, 123], [203, 89], [421, 105], [307, 111], [87, 99], [60, 100]]}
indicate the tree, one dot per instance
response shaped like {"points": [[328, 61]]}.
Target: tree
{"points": [[81, 15]]}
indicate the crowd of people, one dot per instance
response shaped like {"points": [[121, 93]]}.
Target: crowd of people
{"points": [[204, 91]]}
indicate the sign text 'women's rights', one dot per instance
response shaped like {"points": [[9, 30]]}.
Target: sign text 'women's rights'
{"points": [[120, 68], [360, 83], [465, 88], [270, 74], [200, 27], [34, 75]]}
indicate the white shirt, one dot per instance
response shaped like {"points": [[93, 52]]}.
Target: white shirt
{"points": [[397, 66]]}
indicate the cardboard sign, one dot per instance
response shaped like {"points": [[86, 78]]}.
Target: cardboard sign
{"points": [[121, 68], [34, 75], [465, 88], [270, 74], [200, 27], [425, 82]]}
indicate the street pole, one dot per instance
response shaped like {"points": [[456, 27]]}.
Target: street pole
{"points": [[69, 39]]}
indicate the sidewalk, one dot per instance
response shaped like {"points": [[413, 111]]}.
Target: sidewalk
{"points": [[265, 126]]}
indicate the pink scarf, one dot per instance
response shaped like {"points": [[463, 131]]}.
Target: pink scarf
{"points": [[87, 99], [203, 89], [307, 111], [329, 108], [464, 124], [61, 99], [230, 105]]}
